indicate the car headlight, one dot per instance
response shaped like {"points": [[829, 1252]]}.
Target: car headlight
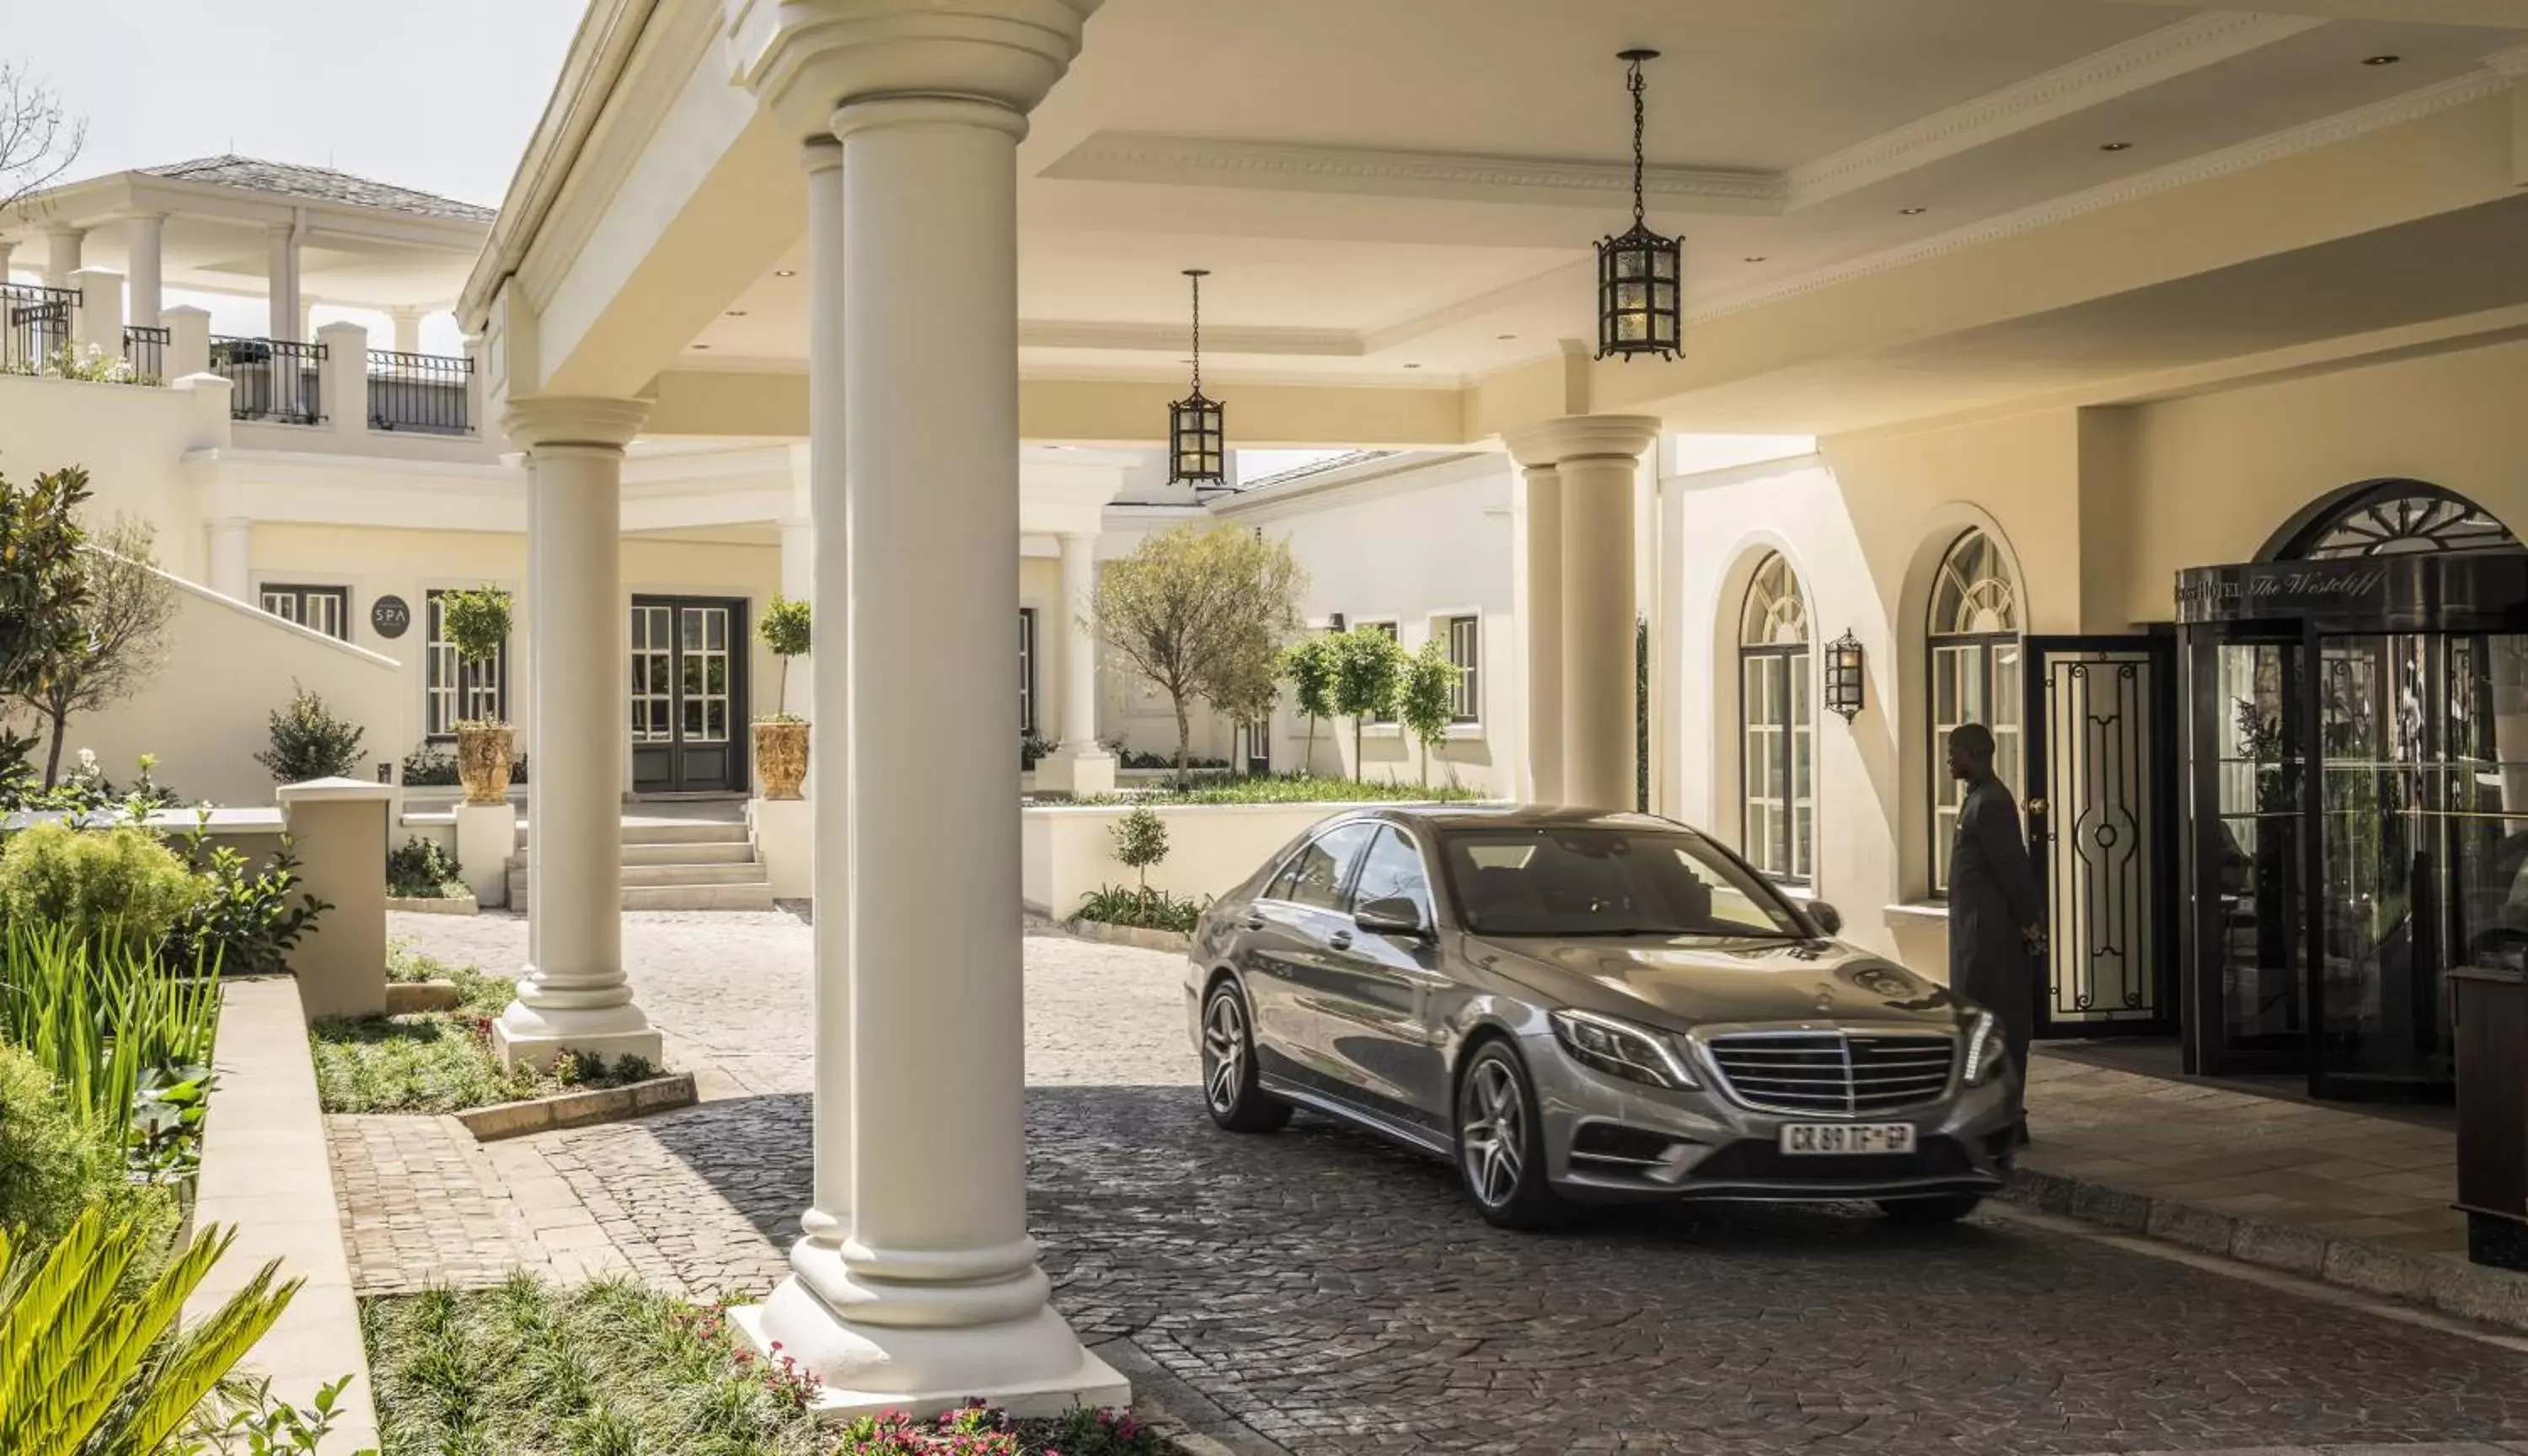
{"points": [[1985, 1052], [1621, 1049]]}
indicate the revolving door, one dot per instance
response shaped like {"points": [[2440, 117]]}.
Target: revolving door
{"points": [[2356, 787]]}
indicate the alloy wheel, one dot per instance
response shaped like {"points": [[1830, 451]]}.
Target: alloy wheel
{"points": [[1492, 1137], [1224, 1051]]}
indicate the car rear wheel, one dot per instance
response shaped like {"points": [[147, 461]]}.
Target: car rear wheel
{"points": [[1500, 1143], [1944, 1208], [1229, 1087]]}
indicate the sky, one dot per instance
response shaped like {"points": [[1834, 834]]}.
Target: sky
{"points": [[440, 95]]}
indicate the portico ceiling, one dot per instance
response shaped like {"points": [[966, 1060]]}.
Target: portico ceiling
{"points": [[1404, 194]]}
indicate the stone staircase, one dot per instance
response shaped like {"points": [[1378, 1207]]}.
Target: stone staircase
{"points": [[676, 865]]}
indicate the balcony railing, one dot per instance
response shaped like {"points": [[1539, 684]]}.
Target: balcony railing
{"points": [[144, 348], [419, 394], [271, 378], [35, 326]]}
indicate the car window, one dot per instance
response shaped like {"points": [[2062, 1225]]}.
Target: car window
{"points": [[1393, 870], [1325, 864], [1602, 881]]}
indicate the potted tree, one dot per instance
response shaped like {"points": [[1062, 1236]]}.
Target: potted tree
{"points": [[477, 624], [781, 738]]}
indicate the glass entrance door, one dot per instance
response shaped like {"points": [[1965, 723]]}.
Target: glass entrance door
{"points": [[687, 695], [2422, 834], [2250, 918]]}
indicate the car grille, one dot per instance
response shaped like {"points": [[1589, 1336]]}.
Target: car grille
{"points": [[1834, 1073]]}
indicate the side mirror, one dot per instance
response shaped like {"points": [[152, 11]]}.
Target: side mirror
{"points": [[1828, 917], [1396, 915]]}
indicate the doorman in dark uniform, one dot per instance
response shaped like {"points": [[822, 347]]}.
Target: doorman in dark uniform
{"points": [[1996, 919]]}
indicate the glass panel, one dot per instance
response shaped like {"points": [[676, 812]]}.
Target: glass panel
{"points": [[2254, 873], [692, 629], [2003, 686], [693, 717], [1325, 864], [1394, 871], [1803, 789]]}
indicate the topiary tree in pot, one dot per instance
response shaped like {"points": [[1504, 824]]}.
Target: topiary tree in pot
{"points": [[477, 624], [781, 738]]}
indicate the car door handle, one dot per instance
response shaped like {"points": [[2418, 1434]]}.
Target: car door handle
{"points": [[1341, 940], [1253, 923]]}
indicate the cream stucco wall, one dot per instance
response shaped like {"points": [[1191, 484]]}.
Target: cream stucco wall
{"points": [[133, 441]]}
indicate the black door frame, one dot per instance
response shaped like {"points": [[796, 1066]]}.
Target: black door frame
{"points": [[2042, 814], [739, 778]]}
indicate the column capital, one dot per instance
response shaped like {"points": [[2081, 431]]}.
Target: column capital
{"points": [[803, 59], [1581, 437], [821, 154], [542, 422]]}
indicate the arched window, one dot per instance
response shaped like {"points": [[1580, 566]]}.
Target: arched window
{"points": [[2394, 518], [1777, 776], [1973, 630]]}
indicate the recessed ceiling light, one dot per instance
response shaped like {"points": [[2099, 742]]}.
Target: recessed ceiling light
{"points": [[702, 345], [2115, 146], [785, 273], [1504, 337], [737, 313], [1412, 366], [1754, 257], [2381, 59], [1913, 212]]}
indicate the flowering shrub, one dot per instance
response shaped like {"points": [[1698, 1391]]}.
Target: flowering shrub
{"points": [[975, 1430], [90, 363]]}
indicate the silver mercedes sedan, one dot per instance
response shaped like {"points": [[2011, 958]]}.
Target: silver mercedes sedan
{"points": [[1575, 1006]]}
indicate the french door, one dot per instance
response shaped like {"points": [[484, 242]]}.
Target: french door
{"points": [[688, 695], [2101, 818]]}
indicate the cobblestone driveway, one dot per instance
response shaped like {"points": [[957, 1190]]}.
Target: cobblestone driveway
{"points": [[1333, 1295]]}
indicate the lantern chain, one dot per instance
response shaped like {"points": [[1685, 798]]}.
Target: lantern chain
{"points": [[1633, 82]]}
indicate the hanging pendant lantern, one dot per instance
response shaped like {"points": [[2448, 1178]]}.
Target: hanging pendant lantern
{"points": [[1196, 453], [1641, 274]]}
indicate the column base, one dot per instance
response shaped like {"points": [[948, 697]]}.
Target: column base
{"points": [[1077, 774], [525, 1035], [1033, 1367]]}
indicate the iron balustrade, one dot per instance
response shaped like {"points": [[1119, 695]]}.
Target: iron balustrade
{"points": [[271, 378], [37, 326], [144, 348], [420, 393]]}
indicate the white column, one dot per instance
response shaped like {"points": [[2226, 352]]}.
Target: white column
{"points": [[188, 341], [407, 328], [1596, 461], [285, 318], [63, 259], [936, 1294], [343, 378], [574, 996], [1543, 633], [231, 557], [145, 241], [97, 322], [1081, 765]]}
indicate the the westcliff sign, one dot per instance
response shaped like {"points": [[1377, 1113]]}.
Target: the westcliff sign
{"points": [[2379, 593]]}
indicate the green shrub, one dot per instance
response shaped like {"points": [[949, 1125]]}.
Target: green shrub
{"points": [[310, 743], [1140, 841], [785, 630], [475, 622], [51, 1162], [117, 884], [422, 871], [1149, 910], [245, 922], [123, 1043]]}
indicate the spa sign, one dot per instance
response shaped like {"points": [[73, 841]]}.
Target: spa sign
{"points": [[390, 617]]}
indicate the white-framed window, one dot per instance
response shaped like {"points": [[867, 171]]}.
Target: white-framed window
{"points": [[1464, 636], [1974, 640], [1027, 669], [456, 691], [1777, 769], [326, 609]]}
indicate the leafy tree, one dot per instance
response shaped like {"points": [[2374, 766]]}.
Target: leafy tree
{"points": [[476, 622], [1369, 668], [310, 743], [1426, 701], [785, 630], [1308, 666], [121, 641], [1200, 612], [1140, 841], [44, 583]]}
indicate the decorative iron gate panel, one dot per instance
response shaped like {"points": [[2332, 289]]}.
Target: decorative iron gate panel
{"points": [[2098, 831]]}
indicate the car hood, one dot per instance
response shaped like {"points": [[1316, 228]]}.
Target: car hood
{"points": [[1683, 983]]}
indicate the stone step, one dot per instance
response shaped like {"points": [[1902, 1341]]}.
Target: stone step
{"points": [[723, 872], [749, 897], [733, 852], [668, 832]]}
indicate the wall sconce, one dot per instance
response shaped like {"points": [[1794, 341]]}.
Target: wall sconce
{"points": [[1844, 675]]}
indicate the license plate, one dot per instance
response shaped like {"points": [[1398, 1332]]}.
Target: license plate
{"points": [[1834, 1139]]}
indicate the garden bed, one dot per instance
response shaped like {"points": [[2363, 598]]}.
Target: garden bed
{"points": [[1286, 788], [1139, 936], [437, 905], [531, 1369], [443, 1061]]}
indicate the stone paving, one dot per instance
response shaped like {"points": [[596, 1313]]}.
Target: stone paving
{"points": [[1317, 1292]]}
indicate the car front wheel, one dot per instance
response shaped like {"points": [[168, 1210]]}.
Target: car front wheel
{"points": [[1500, 1143], [1229, 1087]]}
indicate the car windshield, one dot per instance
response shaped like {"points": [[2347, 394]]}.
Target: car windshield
{"points": [[1616, 882]]}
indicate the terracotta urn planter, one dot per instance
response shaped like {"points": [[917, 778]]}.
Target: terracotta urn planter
{"points": [[781, 757], [483, 762]]}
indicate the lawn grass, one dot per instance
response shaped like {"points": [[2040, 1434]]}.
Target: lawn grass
{"points": [[438, 1061], [611, 1369]]}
